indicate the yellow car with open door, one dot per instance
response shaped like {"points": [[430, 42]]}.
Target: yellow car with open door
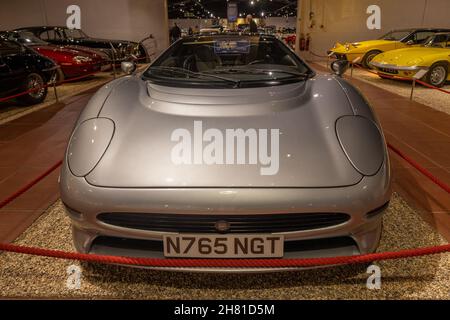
{"points": [[397, 39]]}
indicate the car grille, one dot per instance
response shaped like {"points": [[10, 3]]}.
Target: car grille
{"points": [[387, 70], [189, 223]]}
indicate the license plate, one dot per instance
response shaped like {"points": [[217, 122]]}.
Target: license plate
{"points": [[223, 246]]}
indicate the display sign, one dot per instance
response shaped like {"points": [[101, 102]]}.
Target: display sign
{"points": [[232, 11], [231, 46]]}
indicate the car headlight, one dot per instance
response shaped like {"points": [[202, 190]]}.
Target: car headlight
{"points": [[82, 59], [362, 143], [88, 144]]}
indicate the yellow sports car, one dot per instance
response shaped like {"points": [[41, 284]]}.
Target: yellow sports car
{"points": [[367, 50], [433, 56]]}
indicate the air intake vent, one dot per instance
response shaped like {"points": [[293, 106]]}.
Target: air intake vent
{"points": [[188, 223]]}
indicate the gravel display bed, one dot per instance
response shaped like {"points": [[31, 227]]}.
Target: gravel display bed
{"points": [[417, 278]]}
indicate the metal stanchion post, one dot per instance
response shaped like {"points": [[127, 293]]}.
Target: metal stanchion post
{"points": [[351, 70], [412, 89], [419, 75], [353, 64], [54, 85], [113, 59]]}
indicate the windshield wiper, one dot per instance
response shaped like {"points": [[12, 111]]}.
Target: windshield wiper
{"points": [[263, 71], [235, 83]]}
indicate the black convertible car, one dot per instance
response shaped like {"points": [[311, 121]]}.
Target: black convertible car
{"points": [[23, 69], [116, 49]]}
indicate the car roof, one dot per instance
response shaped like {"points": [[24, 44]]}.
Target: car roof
{"points": [[422, 29], [37, 28]]}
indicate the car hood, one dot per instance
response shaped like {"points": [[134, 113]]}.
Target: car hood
{"points": [[67, 50], [408, 56], [146, 115], [88, 52], [363, 45]]}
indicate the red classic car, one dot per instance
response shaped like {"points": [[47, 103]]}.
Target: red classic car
{"points": [[74, 61]]}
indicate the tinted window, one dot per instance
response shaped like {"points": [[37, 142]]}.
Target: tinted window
{"points": [[51, 35], [243, 59], [24, 37], [396, 35], [421, 36], [438, 41], [9, 47]]}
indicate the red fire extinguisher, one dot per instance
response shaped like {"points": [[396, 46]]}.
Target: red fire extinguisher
{"points": [[308, 42], [302, 42]]}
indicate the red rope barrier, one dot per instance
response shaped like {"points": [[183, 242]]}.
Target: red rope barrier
{"points": [[225, 263], [51, 85], [29, 185], [421, 169]]}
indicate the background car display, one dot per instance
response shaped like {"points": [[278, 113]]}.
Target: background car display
{"points": [[329, 191], [433, 56], [115, 49], [73, 60], [367, 50], [22, 69]]}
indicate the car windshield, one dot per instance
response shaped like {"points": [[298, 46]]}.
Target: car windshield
{"points": [[239, 61], [396, 35], [24, 37], [75, 34], [438, 41]]}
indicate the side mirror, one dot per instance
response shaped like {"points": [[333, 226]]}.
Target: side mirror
{"points": [[410, 42], [128, 67], [339, 67]]}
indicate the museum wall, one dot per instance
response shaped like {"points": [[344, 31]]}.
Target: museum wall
{"points": [[112, 19], [279, 22], [345, 20]]}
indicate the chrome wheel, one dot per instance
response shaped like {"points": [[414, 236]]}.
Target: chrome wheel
{"points": [[438, 75], [36, 82]]}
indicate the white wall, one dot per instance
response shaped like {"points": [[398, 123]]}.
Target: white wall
{"points": [[110, 19], [345, 20], [281, 22]]}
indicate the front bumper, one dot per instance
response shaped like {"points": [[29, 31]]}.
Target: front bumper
{"points": [[345, 55], [84, 202], [395, 70]]}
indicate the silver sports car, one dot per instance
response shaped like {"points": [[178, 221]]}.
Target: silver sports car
{"points": [[227, 146]]}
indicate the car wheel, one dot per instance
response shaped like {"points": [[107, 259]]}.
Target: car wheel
{"points": [[437, 75], [369, 57], [33, 81]]}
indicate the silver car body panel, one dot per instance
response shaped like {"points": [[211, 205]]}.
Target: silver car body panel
{"points": [[135, 173]]}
